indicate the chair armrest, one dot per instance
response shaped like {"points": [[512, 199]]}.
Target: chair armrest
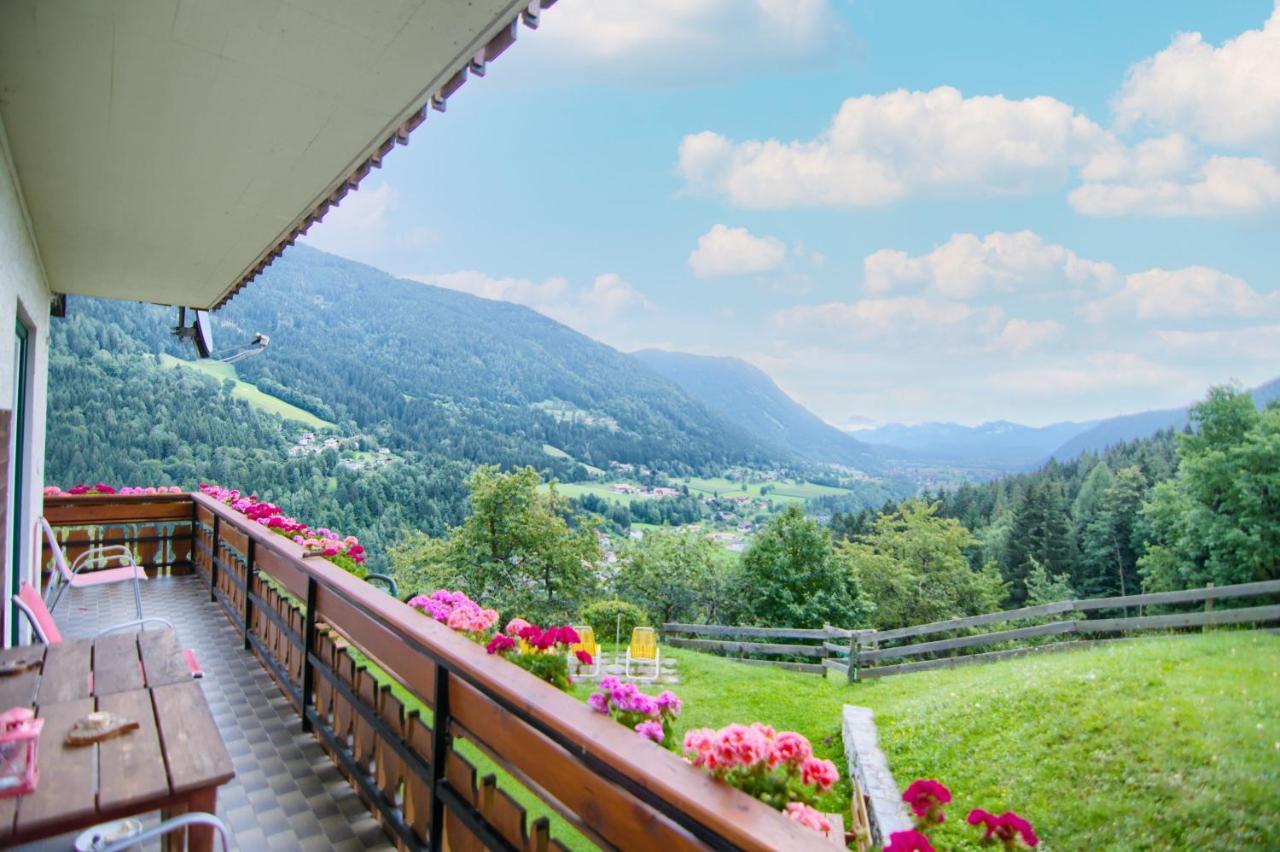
{"points": [[138, 622], [125, 555], [390, 582], [98, 843]]}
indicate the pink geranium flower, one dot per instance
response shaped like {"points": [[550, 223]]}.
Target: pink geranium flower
{"points": [[699, 744], [820, 773], [807, 816], [669, 703], [651, 730], [789, 748]]}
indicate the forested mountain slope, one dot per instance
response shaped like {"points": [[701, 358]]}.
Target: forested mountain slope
{"points": [[746, 396], [440, 379], [1130, 427], [471, 379], [117, 416]]}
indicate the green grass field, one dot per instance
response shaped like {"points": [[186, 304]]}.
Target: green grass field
{"points": [[781, 491], [1159, 743], [581, 489], [555, 452], [249, 392]]}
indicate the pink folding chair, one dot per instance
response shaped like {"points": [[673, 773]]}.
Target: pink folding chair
{"points": [[31, 605], [76, 577]]}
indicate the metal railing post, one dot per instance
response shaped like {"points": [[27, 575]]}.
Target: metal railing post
{"points": [[439, 754], [308, 648], [250, 571], [213, 557]]}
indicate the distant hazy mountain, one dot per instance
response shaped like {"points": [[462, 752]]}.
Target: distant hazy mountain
{"points": [[996, 446], [747, 397], [1143, 424]]}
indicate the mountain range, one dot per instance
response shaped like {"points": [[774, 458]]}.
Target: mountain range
{"points": [[1115, 430], [998, 446], [745, 395], [430, 371]]}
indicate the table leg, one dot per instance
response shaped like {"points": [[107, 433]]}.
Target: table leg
{"points": [[200, 837], [174, 840]]}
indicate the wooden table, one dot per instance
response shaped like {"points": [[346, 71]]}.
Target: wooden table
{"points": [[174, 762]]}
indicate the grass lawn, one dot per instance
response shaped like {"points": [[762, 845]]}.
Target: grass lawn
{"points": [[779, 492], [1151, 744], [249, 392], [581, 489]]}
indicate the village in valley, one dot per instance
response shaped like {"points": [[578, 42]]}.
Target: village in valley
{"points": [[356, 453]]}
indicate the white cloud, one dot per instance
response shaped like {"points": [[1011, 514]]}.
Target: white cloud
{"points": [[1254, 343], [1222, 186], [522, 291], [600, 310], [1020, 336], [967, 265], [725, 251], [363, 227], [1228, 95], [871, 321], [1099, 372], [666, 40], [1195, 292], [882, 148]]}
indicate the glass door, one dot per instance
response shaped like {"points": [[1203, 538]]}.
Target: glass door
{"points": [[16, 486]]}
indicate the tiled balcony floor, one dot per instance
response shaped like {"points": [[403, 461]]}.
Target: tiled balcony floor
{"points": [[286, 794]]}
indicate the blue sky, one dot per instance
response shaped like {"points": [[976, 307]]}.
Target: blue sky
{"points": [[902, 212]]}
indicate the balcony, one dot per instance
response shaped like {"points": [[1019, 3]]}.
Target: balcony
{"points": [[337, 747]]}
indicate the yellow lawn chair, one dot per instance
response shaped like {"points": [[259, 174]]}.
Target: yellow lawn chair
{"points": [[643, 655], [586, 642]]}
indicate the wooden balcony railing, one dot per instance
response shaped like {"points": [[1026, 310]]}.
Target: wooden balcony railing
{"points": [[398, 699], [156, 527]]}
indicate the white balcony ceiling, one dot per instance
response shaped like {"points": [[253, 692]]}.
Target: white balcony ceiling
{"points": [[165, 148]]}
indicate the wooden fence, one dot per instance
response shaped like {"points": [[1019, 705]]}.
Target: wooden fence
{"points": [[741, 642], [834, 647], [858, 654]]}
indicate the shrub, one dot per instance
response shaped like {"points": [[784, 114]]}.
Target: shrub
{"points": [[602, 616]]}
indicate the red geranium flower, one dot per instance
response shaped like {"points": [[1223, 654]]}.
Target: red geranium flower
{"points": [[908, 841], [583, 657], [1009, 828], [499, 644], [926, 798]]}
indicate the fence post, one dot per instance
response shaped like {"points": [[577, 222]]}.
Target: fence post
{"points": [[214, 550], [250, 571], [851, 674], [1208, 607]]}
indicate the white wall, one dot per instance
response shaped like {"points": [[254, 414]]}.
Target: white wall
{"points": [[23, 294]]}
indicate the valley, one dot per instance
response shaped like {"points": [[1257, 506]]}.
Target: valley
{"points": [[378, 438]]}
